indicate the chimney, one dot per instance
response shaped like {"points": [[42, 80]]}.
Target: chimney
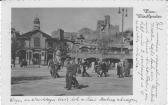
{"points": [[107, 21], [61, 34]]}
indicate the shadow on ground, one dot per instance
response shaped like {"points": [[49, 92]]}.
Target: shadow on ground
{"points": [[18, 80], [83, 86], [57, 77], [79, 87], [17, 95], [60, 95]]}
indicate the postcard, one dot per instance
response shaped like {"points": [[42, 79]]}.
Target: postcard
{"points": [[82, 52]]}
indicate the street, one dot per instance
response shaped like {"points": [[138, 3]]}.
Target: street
{"points": [[35, 81]]}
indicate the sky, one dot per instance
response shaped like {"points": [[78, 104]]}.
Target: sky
{"points": [[68, 19]]}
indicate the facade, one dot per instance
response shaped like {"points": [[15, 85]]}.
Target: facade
{"points": [[15, 44], [103, 49], [38, 47], [105, 42], [105, 27]]}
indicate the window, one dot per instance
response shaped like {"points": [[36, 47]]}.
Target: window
{"points": [[42, 53], [36, 42], [50, 44]]}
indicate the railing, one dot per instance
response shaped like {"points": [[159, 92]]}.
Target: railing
{"points": [[102, 52], [117, 55]]}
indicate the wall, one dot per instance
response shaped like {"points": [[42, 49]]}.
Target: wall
{"points": [[42, 40]]}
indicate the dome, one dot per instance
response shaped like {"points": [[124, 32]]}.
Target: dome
{"points": [[36, 20], [36, 23]]}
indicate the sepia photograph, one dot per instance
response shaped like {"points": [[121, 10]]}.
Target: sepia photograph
{"points": [[72, 51]]}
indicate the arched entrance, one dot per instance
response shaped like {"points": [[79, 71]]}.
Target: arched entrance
{"points": [[21, 55], [130, 61], [91, 59], [49, 55], [112, 60], [36, 58]]}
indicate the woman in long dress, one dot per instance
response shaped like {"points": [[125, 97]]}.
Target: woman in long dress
{"points": [[93, 67], [119, 69]]}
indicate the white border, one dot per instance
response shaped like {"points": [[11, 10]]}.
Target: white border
{"points": [[6, 51]]}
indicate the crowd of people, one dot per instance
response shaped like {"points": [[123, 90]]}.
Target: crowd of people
{"points": [[100, 67]]}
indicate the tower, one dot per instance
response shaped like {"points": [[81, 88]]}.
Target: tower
{"points": [[107, 21], [36, 23], [107, 24], [61, 34], [100, 25], [13, 33]]}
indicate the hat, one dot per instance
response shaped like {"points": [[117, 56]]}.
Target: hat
{"points": [[68, 58]]}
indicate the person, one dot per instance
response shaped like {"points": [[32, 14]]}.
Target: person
{"points": [[96, 68], [70, 75], [75, 83], [104, 69], [49, 63], [84, 73], [54, 67], [93, 67], [79, 66], [99, 68], [66, 64], [108, 66], [115, 64], [127, 69], [119, 69], [122, 69], [13, 63], [23, 63]]}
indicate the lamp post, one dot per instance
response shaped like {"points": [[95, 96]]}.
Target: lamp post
{"points": [[77, 50], [123, 12], [13, 46]]}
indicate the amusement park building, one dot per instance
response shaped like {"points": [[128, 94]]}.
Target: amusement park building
{"points": [[37, 46], [105, 42]]}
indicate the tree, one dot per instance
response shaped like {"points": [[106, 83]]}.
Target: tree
{"points": [[64, 50], [14, 44]]}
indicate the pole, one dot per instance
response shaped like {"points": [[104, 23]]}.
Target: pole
{"points": [[122, 30], [29, 51]]}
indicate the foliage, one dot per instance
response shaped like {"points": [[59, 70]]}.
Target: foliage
{"points": [[15, 45], [64, 50]]}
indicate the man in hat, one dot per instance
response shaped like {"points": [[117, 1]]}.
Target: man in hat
{"points": [[70, 75], [119, 69], [85, 65], [104, 69]]}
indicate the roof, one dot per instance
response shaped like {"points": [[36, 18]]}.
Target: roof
{"points": [[30, 33], [52, 39], [66, 40]]}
